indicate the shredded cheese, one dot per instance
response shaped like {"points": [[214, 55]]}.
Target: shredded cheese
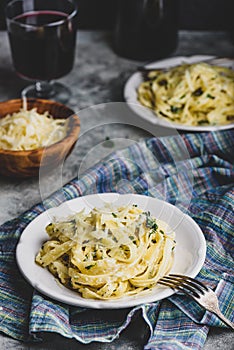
{"points": [[28, 130]]}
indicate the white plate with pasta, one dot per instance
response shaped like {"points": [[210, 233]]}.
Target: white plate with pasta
{"points": [[109, 250], [193, 93]]}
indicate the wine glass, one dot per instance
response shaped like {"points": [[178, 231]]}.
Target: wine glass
{"points": [[42, 35]]}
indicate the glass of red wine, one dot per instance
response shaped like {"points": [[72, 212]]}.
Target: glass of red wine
{"points": [[42, 35]]}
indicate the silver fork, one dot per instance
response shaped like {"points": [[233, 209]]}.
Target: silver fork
{"points": [[202, 294]]}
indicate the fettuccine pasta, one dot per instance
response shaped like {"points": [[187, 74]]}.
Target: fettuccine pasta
{"points": [[109, 252], [190, 94]]}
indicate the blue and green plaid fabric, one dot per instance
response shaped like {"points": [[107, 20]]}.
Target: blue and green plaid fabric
{"points": [[194, 172]]}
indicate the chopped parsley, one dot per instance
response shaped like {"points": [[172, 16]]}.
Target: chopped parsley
{"points": [[115, 216], [202, 122], [163, 82], [210, 96], [108, 143], [198, 92], [114, 239], [88, 267], [163, 114], [175, 109], [150, 222]]}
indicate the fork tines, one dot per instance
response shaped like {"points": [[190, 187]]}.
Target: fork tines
{"points": [[184, 284], [203, 295]]}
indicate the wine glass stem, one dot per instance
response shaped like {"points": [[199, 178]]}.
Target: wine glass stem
{"points": [[47, 90], [44, 89]]}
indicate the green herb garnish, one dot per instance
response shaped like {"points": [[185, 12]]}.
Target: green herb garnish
{"points": [[210, 96], [175, 109], [198, 92], [88, 267], [150, 222], [202, 122], [163, 82]]}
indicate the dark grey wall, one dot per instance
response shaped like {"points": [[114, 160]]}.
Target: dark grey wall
{"points": [[206, 14], [194, 14]]}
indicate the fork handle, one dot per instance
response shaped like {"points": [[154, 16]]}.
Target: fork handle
{"points": [[219, 314]]}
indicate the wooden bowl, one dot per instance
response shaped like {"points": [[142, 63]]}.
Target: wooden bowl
{"points": [[28, 163]]}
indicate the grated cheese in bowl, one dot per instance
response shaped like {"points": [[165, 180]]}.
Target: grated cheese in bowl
{"points": [[29, 130]]}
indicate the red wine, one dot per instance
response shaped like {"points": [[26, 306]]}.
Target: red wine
{"points": [[42, 44], [41, 18]]}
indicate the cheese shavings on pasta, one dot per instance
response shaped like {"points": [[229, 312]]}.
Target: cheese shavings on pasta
{"points": [[28, 130], [195, 94], [109, 252]]}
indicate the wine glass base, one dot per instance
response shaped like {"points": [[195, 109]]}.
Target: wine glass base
{"points": [[48, 90]]}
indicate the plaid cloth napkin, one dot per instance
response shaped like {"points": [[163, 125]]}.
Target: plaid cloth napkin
{"points": [[199, 181]]}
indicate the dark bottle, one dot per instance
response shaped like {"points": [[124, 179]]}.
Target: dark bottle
{"points": [[146, 29]]}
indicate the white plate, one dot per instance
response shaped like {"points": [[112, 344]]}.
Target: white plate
{"points": [[190, 250], [132, 84]]}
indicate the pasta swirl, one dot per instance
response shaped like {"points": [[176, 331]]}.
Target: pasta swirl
{"points": [[109, 252], [190, 94]]}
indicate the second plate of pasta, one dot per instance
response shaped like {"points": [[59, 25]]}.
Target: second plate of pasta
{"points": [[109, 250], [186, 93]]}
